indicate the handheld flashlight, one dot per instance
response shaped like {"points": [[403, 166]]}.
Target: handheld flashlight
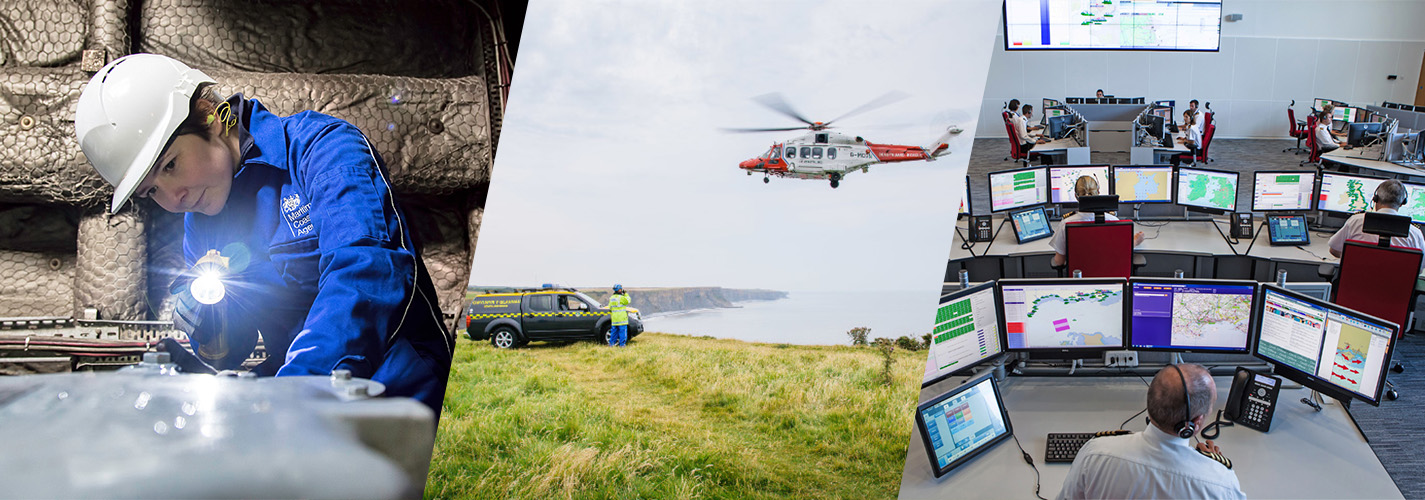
{"points": [[208, 287]]}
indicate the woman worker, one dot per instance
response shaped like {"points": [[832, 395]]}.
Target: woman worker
{"points": [[322, 261]]}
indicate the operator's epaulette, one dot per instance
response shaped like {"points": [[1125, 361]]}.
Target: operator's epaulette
{"points": [[1100, 434], [1218, 457]]}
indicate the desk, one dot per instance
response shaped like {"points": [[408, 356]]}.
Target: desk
{"points": [[1145, 155], [1110, 126], [1340, 157], [1306, 455], [1074, 153], [1176, 236]]}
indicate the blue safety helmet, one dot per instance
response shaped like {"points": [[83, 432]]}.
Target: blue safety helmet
{"points": [[618, 287]]}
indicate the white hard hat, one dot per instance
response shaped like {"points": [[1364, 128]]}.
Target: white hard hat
{"points": [[128, 112]]}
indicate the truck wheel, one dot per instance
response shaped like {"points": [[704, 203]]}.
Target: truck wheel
{"points": [[608, 334], [503, 338]]}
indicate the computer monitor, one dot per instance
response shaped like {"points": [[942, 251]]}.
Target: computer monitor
{"points": [[962, 423], [1414, 206], [1275, 191], [1316, 290], [1154, 125], [1093, 100], [1166, 103], [966, 333], [1047, 103], [966, 208], [1011, 189], [1030, 224], [1142, 183], [1063, 178], [1337, 351], [1319, 103], [1346, 193], [1073, 100], [1188, 315], [1204, 190], [1064, 318], [1059, 126], [1164, 113], [1357, 134], [1287, 230]]}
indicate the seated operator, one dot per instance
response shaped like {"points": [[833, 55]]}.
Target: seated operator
{"points": [[1013, 109], [1099, 94], [1191, 139], [1085, 186], [1022, 128], [1158, 462], [1389, 196], [1325, 138], [1197, 117]]}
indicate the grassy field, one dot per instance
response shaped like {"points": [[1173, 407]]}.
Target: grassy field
{"points": [[674, 417]]}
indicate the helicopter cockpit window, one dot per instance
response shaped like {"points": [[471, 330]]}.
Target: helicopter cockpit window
{"points": [[831, 153], [816, 153], [776, 152], [791, 152], [806, 151]]}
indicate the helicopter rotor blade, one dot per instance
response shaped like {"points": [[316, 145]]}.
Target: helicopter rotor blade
{"points": [[775, 102], [888, 98], [751, 130]]}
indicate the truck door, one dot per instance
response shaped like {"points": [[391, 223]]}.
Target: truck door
{"points": [[541, 321], [579, 316]]}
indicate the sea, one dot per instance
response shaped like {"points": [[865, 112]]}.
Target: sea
{"points": [[807, 318]]}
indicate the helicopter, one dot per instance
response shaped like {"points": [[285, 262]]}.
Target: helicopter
{"points": [[824, 154]]}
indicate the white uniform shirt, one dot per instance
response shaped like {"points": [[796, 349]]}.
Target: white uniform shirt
{"points": [[1324, 139], [1148, 464], [1351, 230], [1057, 242], [1021, 127], [1194, 134], [1197, 121]]}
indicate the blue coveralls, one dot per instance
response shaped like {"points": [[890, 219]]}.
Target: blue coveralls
{"points": [[334, 279]]}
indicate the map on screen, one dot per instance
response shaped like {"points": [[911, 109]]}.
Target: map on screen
{"points": [[1347, 193], [1112, 24], [1207, 189], [1044, 317], [1143, 184]]}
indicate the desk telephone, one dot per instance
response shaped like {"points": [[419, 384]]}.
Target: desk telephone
{"points": [[982, 228], [1253, 399]]}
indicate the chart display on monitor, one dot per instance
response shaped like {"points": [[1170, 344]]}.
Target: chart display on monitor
{"points": [[1063, 315], [1143, 184], [966, 333], [1013, 189], [1414, 202], [1283, 191], [1335, 350], [1211, 190], [1345, 193], [962, 423], [1112, 25], [1062, 180], [1190, 315]]}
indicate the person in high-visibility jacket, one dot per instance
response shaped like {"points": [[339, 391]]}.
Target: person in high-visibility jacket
{"points": [[618, 307]]}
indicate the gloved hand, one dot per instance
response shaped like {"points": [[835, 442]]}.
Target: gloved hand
{"points": [[186, 361], [194, 318]]}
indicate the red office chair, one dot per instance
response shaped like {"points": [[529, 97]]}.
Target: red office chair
{"points": [[1099, 249], [1372, 280], [1311, 144], [1295, 130], [1206, 125], [1014, 146]]}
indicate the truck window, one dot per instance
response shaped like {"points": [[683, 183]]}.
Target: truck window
{"points": [[572, 303], [541, 303]]}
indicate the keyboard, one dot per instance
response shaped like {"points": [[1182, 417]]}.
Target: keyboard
{"points": [[1063, 447]]}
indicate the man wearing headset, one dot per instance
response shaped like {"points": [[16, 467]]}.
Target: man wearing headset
{"points": [[1389, 197], [1159, 462], [320, 260]]}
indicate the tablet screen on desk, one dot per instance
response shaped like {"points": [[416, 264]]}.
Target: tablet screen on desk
{"points": [[1030, 225], [1288, 230], [960, 424]]}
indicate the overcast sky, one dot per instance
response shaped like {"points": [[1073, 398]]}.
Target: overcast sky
{"points": [[612, 167]]}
